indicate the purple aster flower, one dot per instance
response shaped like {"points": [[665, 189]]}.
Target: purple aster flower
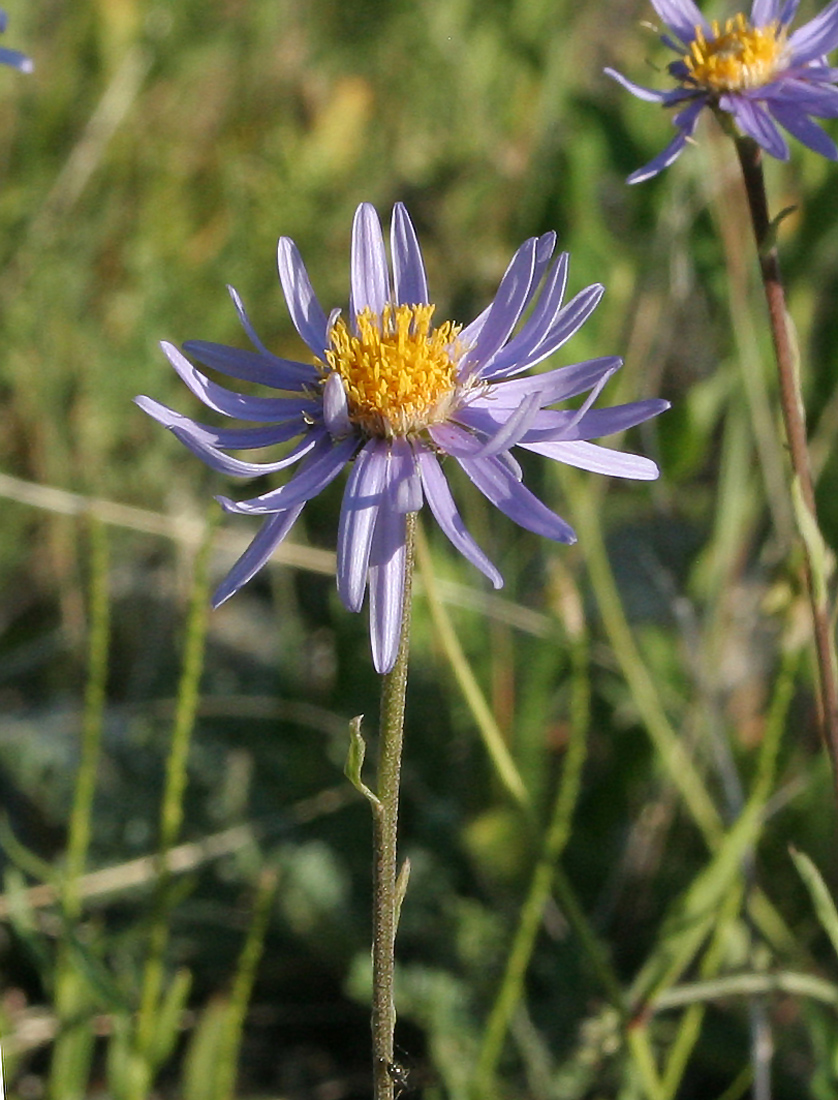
{"points": [[13, 57], [393, 395], [752, 71]]}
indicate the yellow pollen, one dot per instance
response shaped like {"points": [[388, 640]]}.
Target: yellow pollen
{"points": [[737, 58], [399, 374]]}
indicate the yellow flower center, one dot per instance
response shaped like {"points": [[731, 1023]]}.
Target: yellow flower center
{"points": [[740, 57], [399, 374]]}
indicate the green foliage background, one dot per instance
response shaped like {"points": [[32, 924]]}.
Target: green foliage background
{"points": [[156, 154]]}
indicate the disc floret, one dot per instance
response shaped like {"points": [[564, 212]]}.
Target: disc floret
{"points": [[399, 373], [737, 58]]}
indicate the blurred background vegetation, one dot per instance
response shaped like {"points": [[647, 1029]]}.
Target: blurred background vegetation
{"points": [[156, 154]]}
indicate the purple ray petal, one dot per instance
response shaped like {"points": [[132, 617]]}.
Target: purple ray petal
{"points": [[755, 121], [554, 385], [239, 405], [468, 335], [196, 439], [563, 424], [522, 347], [817, 37], [405, 483], [682, 16], [386, 581], [368, 269], [410, 283], [305, 310], [598, 460], [516, 501], [688, 120], [358, 514], [818, 100], [336, 408], [511, 297], [269, 536], [322, 465], [764, 11], [512, 429], [806, 131], [650, 95], [543, 252], [244, 320], [16, 59], [444, 510], [231, 439], [789, 11], [251, 366], [570, 318]]}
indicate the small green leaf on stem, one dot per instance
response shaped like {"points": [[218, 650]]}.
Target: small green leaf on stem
{"points": [[819, 893], [355, 761], [773, 227], [401, 888], [821, 558]]}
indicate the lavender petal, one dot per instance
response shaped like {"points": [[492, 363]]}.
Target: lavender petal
{"points": [[755, 121], [511, 297], [336, 407], [522, 348], [764, 12], [305, 311], [682, 16], [498, 485], [570, 318], [640, 91], [369, 281], [269, 536], [554, 385], [563, 424], [598, 460], [251, 366], [444, 510], [817, 37], [806, 131], [195, 439], [410, 283], [689, 117], [231, 439], [322, 465], [358, 514], [386, 581], [228, 403]]}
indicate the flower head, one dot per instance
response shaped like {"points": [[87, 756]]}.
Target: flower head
{"points": [[13, 57], [391, 393], [752, 70]]}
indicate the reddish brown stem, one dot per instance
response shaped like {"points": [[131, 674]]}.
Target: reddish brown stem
{"points": [[794, 419]]}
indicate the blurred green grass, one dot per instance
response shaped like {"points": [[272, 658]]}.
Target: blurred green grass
{"points": [[155, 155]]}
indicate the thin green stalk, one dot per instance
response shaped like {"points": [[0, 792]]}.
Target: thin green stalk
{"points": [[81, 813], [171, 812], [690, 1025], [678, 764], [541, 885], [231, 1036], [791, 401], [72, 1053], [386, 887], [488, 728]]}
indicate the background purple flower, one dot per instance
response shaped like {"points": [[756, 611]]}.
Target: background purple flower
{"points": [[14, 58], [393, 395], [753, 70]]}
